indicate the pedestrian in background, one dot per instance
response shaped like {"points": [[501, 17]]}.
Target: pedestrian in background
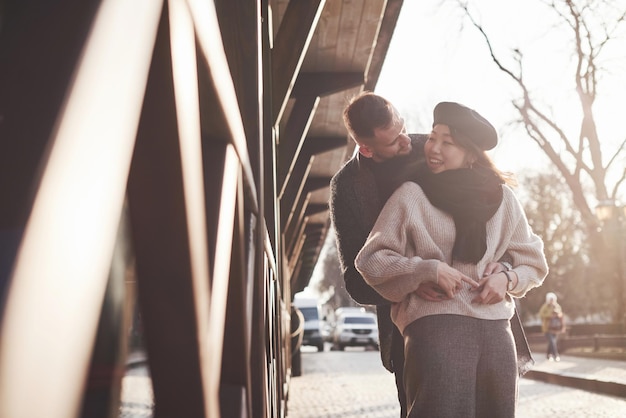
{"points": [[460, 356], [552, 324]]}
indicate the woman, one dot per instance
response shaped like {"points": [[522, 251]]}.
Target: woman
{"points": [[460, 353], [551, 316]]}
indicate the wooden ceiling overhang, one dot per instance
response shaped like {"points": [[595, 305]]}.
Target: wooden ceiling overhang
{"points": [[324, 53]]}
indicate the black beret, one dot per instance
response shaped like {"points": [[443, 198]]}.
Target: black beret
{"points": [[468, 122]]}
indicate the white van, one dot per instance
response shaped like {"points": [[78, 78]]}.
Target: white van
{"points": [[313, 321]]}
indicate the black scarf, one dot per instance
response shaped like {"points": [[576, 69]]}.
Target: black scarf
{"points": [[471, 197]]}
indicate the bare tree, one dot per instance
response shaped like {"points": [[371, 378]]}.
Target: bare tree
{"points": [[572, 277], [591, 26]]}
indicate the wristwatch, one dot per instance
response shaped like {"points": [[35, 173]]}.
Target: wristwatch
{"points": [[507, 265]]}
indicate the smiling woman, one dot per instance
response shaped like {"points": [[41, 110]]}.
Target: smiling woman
{"points": [[446, 227]]}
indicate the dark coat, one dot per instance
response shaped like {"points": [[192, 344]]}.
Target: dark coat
{"points": [[358, 193]]}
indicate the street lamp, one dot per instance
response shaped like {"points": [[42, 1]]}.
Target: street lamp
{"points": [[613, 219]]}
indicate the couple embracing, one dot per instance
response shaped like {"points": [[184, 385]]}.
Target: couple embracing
{"points": [[431, 232]]}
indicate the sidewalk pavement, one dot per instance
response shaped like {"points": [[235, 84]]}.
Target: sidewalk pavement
{"points": [[607, 377]]}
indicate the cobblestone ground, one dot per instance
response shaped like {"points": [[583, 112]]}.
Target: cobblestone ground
{"points": [[338, 384], [353, 384]]}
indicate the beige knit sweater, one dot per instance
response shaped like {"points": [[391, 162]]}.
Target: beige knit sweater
{"points": [[411, 236]]}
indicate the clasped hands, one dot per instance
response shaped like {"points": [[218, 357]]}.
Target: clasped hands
{"points": [[489, 290]]}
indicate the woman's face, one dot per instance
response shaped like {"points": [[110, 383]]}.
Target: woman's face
{"points": [[443, 153]]}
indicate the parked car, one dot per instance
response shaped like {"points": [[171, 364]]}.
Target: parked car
{"points": [[354, 327]]}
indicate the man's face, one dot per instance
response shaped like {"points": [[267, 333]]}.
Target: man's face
{"points": [[389, 142]]}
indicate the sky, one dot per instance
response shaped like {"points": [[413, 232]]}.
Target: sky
{"points": [[437, 55]]}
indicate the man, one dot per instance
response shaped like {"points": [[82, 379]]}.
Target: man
{"points": [[386, 157]]}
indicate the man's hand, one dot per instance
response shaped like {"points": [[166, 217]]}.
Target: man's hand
{"points": [[451, 280], [431, 291]]}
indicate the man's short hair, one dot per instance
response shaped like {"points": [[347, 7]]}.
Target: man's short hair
{"points": [[366, 112]]}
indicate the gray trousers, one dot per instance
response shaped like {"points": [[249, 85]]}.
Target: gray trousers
{"points": [[458, 366]]}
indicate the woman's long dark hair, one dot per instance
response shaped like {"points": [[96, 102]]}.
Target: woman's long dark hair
{"points": [[482, 159]]}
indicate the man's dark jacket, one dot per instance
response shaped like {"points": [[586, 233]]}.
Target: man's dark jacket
{"points": [[358, 193]]}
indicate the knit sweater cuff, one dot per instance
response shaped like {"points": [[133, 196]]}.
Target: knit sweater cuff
{"points": [[526, 280]]}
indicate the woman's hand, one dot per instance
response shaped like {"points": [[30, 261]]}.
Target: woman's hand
{"points": [[491, 289], [493, 267], [450, 280]]}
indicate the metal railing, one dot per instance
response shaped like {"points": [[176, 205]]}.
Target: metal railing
{"points": [[148, 195]]}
